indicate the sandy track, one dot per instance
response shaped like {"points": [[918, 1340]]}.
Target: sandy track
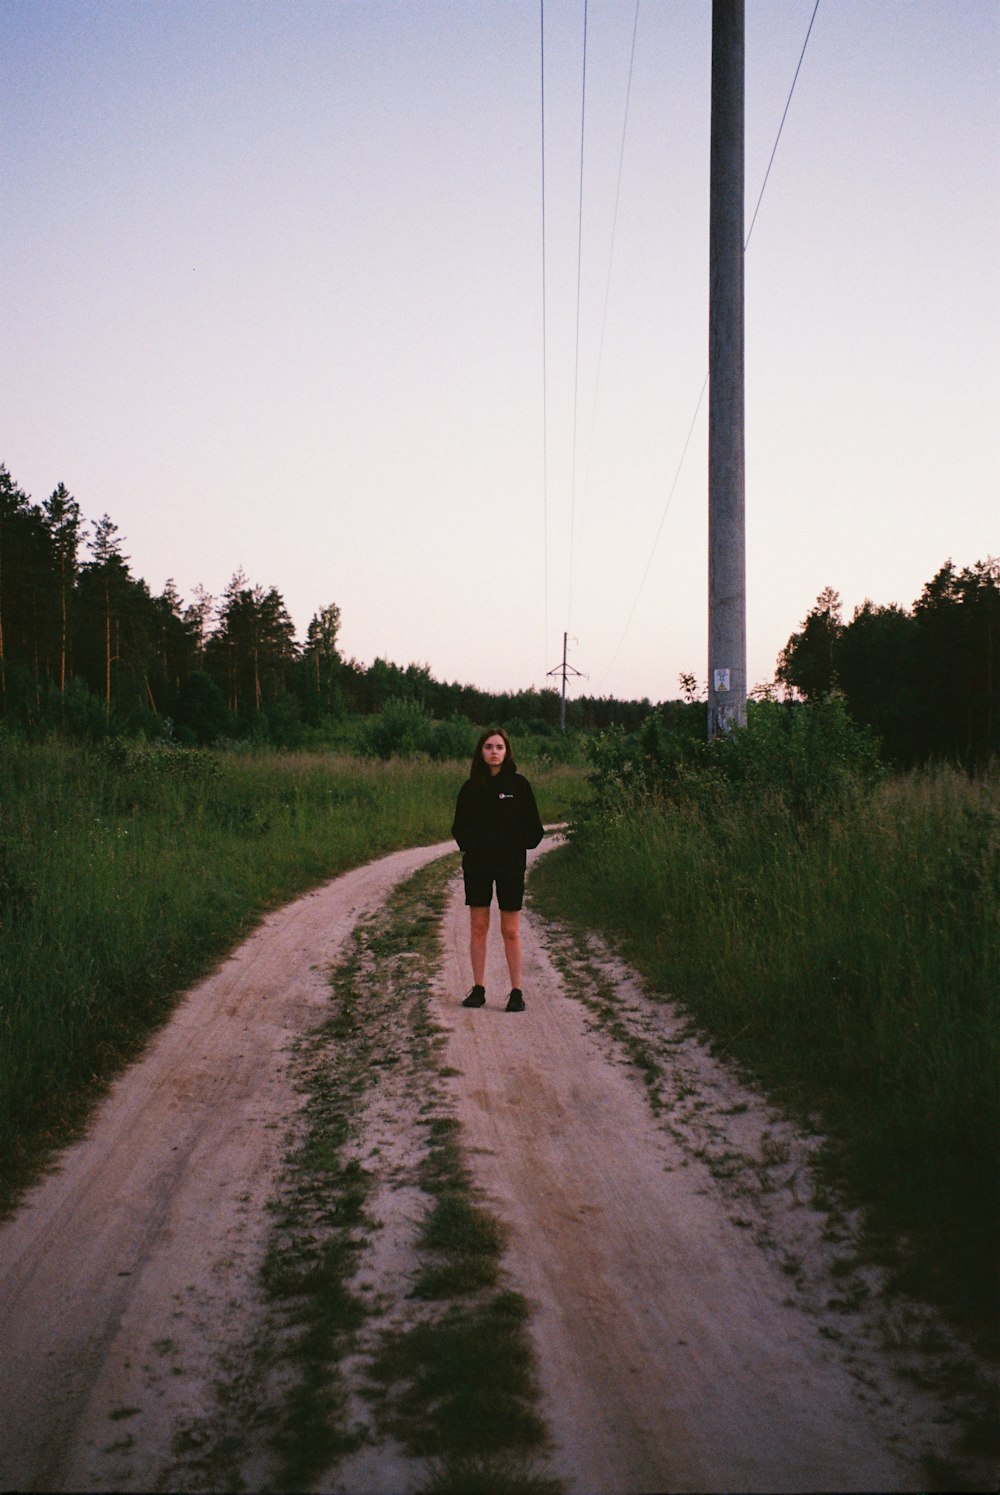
{"points": [[668, 1357], [124, 1271], [669, 1354]]}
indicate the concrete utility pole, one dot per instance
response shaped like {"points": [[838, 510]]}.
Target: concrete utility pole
{"points": [[727, 631], [563, 669]]}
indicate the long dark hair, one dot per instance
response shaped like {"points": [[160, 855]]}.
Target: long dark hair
{"points": [[479, 773]]}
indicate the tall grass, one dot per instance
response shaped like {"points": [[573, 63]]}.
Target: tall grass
{"points": [[853, 963], [125, 872]]}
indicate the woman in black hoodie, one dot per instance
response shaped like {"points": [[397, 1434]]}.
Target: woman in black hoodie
{"points": [[496, 822]]}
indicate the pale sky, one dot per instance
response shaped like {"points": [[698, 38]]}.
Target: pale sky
{"points": [[272, 299]]}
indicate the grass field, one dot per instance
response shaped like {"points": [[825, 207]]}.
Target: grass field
{"points": [[852, 964], [126, 872]]}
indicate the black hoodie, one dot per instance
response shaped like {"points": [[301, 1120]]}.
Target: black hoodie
{"points": [[497, 821]]}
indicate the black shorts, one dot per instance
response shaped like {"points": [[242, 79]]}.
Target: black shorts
{"points": [[480, 876]]}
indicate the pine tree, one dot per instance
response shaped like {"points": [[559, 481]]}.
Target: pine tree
{"points": [[807, 661], [25, 569], [110, 574], [62, 514]]}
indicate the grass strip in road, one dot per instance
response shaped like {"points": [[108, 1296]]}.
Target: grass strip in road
{"points": [[460, 1243], [457, 1385], [460, 1388]]}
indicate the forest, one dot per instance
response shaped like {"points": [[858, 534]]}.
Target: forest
{"points": [[925, 681], [88, 651]]}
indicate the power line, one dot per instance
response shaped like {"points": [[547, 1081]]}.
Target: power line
{"points": [[607, 290], [579, 275], [788, 102], [659, 531], [704, 387], [611, 251], [545, 378]]}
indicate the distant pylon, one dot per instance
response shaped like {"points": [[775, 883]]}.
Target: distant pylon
{"points": [[564, 669]]}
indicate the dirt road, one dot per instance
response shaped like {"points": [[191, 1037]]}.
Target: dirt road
{"points": [[671, 1355]]}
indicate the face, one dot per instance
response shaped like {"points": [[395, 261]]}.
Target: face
{"points": [[494, 752]]}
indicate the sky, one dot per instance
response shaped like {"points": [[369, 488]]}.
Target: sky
{"points": [[275, 296]]}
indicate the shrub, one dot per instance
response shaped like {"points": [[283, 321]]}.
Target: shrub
{"points": [[403, 729], [453, 739], [813, 758], [200, 709], [284, 721]]}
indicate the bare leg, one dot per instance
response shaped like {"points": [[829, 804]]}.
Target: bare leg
{"points": [[510, 928], [479, 924]]}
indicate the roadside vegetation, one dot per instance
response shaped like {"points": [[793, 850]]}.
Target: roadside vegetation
{"points": [[128, 868], [837, 932]]}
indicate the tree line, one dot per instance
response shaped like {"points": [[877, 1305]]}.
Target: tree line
{"points": [[926, 680], [88, 650]]}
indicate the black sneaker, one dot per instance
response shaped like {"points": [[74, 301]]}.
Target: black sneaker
{"points": [[515, 1002], [476, 997]]}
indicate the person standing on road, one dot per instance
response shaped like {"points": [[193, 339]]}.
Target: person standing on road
{"points": [[496, 824]]}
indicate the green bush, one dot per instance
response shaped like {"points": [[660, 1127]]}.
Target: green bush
{"points": [[284, 721], [200, 709], [813, 758], [403, 729], [816, 757], [453, 739]]}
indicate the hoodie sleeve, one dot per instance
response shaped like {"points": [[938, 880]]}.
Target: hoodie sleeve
{"points": [[464, 828], [531, 824]]}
